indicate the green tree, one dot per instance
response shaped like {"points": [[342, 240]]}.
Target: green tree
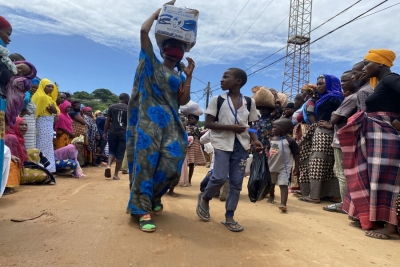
{"points": [[81, 95], [104, 95]]}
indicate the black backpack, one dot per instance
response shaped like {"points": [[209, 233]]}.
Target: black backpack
{"points": [[221, 100]]}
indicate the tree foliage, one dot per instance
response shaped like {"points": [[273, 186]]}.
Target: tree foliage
{"points": [[99, 99]]}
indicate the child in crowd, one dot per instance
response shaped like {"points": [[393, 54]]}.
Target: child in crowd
{"points": [[67, 157], [195, 155], [338, 120], [284, 150], [230, 137]]}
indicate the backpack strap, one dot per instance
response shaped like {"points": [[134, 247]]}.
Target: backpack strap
{"points": [[248, 102], [220, 101]]}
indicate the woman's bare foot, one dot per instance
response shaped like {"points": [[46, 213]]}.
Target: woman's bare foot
{"points": [[116, 178], [282, 208], [172, 193]]}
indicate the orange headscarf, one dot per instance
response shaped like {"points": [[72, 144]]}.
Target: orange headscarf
{"points": [[380, 56]]}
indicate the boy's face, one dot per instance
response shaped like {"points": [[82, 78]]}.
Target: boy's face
{"points": [[229, 80], [192, 120], [277, 129], [347, 84]]}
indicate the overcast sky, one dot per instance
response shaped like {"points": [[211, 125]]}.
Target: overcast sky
{"points": [[87, 44]]}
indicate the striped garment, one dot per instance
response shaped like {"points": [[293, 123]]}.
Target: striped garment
{"points": [[371, 162], [30, 136]]}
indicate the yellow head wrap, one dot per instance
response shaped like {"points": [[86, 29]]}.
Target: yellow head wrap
{"points": [[380, 56], [79, 139], [43, 100]]}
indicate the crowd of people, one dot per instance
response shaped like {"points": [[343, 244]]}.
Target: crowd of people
{"points": [[43, 132], [338, 140]]}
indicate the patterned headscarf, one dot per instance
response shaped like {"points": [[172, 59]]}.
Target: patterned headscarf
{"points": [[17, 148], [333, 91], [311, 89]]}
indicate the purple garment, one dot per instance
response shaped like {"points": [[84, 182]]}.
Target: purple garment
{"points": [[67, 152], [16, 88]]}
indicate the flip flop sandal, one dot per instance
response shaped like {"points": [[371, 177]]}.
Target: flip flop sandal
{"points": [[233, 229], [307, 200], [333, 208], [116, 178], [107, 173], [282, 208], [377, 235], [158, 209], [200, 208], [146, 224]]}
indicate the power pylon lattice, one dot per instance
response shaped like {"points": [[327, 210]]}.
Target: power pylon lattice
{"points": [[297, 63]]}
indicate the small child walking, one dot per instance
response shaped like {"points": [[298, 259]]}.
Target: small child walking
{"points": [[283, 152], [195, 156]]}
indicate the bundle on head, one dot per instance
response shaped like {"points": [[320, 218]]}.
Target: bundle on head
{"points": [[283, 98]]}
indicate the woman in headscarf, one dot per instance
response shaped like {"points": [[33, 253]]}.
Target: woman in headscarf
{"points": [[30, 169], [156, 138], [92, 133], [371, 143], [63, 127], [29, 115], [7, 70], [16, 88], [302, 119], [80, 128], [46, 111], [323, 183], [67, 157]]}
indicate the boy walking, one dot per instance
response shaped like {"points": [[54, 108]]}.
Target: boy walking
{"points": [[230, 136], [283, 152]]}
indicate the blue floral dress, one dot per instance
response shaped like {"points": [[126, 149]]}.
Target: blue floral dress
{"points": [[156, 139]]}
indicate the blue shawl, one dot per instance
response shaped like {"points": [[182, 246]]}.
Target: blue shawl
{"points": [[333, 92]]}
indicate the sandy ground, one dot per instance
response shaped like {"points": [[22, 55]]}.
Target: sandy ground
{"points": [[85, 224]]}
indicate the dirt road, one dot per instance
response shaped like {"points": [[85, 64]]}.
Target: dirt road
{"points": [[85, 224]]}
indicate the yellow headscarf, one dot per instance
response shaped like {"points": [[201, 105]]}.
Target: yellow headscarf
{"points": [[380, 56], [43, 100]]}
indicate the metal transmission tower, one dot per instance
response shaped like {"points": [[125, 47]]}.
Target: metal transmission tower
{"points": [[297, 64]]}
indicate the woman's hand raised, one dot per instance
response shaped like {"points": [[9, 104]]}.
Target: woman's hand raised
{"points": [[188, 70]]}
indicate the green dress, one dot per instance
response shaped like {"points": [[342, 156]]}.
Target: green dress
{"points": [[156, 139]]}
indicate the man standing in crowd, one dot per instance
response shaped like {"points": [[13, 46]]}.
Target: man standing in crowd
{"points": [[115, 127]]}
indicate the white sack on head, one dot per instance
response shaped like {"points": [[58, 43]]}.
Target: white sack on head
{"points": [[191, 108]]}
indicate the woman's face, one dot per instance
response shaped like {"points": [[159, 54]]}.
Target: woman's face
{"points": [[68, 109], [48, 89], [265, 111], [371, 69], [78, 145], [89, 113], [23, 127], [321, 85], [5, 35]]}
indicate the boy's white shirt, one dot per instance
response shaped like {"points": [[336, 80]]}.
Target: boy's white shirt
{"points": [[224, 140]]}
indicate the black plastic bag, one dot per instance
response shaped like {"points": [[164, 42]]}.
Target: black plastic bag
{"points": [[260, 177]]}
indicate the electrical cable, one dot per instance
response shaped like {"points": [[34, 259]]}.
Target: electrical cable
{"points": [[242, 35], [319, 38], [308, 33], [225, 31]]}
